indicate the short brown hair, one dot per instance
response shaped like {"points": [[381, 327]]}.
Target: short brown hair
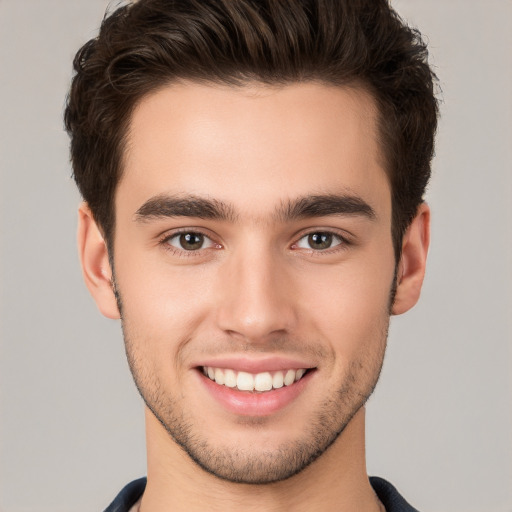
{"points": [[149, 43]]}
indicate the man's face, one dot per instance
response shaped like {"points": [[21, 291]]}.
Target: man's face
{"points": [[253, 245]]}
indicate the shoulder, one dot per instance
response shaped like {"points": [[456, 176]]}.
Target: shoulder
{"points": [[128, 496], [389, 496]]}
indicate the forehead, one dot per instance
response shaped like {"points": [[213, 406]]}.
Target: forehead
{"points": [[253, 146]]}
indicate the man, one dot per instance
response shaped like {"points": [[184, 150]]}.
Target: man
{"points": [[253, 175]]}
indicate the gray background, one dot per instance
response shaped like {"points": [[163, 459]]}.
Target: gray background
{"points": [[440, 424]]}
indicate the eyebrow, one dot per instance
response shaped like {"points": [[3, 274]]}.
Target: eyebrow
{"points": [[164, 206], [326, 205], [169, 206]]}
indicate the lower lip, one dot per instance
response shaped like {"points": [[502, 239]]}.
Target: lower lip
{"points": [[246, 403]]}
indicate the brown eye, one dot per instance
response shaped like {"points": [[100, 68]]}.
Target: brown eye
{"points": [[190, 241], [320, 241]]}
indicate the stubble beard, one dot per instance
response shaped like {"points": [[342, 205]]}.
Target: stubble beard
{"points": [[239, 464]]}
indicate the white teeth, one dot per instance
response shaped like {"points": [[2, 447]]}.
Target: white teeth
{"points": [[289, 377], [263, 382], [278, 380], [229, 378], [244, 381], [219, 376]]}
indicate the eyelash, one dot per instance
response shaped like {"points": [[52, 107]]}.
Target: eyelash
{"points": [[344, 242], [183, 253]]}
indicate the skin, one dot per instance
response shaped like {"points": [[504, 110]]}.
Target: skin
{"points": [[256, 289]]}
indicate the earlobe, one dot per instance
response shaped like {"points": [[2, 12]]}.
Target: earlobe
{"points": [[95, 263], [411, 269]]}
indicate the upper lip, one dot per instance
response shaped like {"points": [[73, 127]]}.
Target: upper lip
{"points": [[253, 365]]}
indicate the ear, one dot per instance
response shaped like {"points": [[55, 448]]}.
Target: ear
{"points": [[411, 269], [95, 264]]}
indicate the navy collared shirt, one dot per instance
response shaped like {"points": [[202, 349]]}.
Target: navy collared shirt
{"points": [[388, 495]]}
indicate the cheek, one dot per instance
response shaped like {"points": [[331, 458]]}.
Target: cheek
{"points": [[162, 306], [349, 305]]}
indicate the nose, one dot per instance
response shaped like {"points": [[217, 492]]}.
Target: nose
{"points": [[256, 298]]}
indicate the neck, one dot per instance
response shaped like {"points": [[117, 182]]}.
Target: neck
{"points": [[337, 480]]}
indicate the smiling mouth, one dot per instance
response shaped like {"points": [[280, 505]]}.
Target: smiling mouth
{"points": [[254, 382]]}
